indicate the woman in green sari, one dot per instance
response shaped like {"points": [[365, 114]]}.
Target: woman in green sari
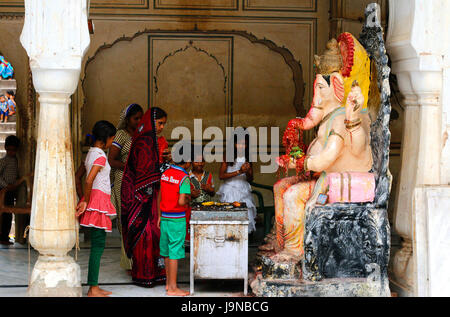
{"points": [[117, 158]]}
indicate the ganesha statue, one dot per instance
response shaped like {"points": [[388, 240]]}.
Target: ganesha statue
{"points": [[337, 164], [331, 235]]}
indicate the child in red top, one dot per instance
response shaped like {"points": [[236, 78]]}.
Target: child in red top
{"points": [[173, 202], [95, 207]]}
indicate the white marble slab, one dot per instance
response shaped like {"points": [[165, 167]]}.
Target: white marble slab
{"points": [[14, 273], [207, 289], [432, 240]]}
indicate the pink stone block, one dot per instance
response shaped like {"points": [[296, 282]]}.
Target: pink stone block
{"points": [[350, 187]]}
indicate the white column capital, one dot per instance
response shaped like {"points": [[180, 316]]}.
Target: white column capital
{"points": [[416, 42], [56, 36], [417, 31]]}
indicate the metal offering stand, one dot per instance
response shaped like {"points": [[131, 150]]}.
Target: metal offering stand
{"points": [[219, 243]]}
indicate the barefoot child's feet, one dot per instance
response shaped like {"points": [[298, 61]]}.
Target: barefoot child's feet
{"points": [[177, 292], [105, 291], [95, 291]]}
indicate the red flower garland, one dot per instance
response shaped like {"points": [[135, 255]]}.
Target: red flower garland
{"points": [[293, 136], [347, 47]]}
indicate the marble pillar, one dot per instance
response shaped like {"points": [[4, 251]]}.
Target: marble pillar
{"points": [[445, 155], [416, 44], [55, 36]]}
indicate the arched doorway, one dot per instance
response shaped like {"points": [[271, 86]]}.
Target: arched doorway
{"points": [[8, 119]]}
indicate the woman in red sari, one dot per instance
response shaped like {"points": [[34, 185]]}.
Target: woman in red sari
{"points": [[140, 186]]}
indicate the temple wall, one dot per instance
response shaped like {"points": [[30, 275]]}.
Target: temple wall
{"points": [[217, 75], [226, 59]]}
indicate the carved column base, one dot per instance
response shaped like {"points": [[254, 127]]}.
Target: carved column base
{"points": [[55, 277], [402, 270]]}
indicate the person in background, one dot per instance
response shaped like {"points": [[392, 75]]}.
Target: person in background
{"points": [[95, 208], [236, 176], [202, 183], [9, 174], [173, 202], [3, 109], [117, 158], [202, 187], [11, 102]]}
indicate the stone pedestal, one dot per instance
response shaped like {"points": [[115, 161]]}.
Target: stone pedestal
{"points": [[55, 277], [284, 279], [337, 287], [346, 254], [346, 242], [432, 240], [55, 36]]}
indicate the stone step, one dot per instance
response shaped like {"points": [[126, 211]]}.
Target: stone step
{"points": [[12, 118], [8, 126], [8, 129], [6, 85], [4, 135], [333, 287]]}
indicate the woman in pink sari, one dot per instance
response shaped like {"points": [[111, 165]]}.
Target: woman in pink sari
{"points": [[140, 186]]}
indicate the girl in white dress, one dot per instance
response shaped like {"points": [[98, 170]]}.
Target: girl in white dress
{"points": [[236, 176]]}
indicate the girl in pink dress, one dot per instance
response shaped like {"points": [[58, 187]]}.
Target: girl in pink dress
{"points": [[95, 208]]}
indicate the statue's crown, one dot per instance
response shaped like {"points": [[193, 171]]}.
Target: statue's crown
{"points": [[331, 60]]}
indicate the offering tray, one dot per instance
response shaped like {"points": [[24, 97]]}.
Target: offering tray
{"points": [[203, 213], [218, 207]]}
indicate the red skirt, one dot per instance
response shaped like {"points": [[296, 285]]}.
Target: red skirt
{"points": [[98, 211]]}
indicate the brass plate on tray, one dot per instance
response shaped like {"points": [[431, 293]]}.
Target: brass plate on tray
{"points": [[217, 206]]}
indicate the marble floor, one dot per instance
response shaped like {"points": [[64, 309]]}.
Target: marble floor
{"points": [[17, 261]]}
